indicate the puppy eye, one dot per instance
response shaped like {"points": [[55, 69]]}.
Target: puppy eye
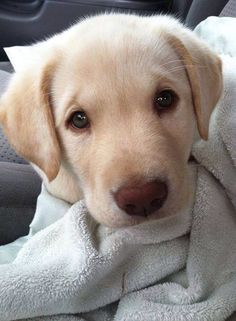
{"points": [[164, 100], [79, 120]]}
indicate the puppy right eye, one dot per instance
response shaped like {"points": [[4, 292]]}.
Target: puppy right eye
{"points": [[165, 100], [79, 120]]}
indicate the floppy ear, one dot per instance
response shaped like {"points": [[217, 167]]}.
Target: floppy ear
{"points": [[27, 120], [204, 72]]}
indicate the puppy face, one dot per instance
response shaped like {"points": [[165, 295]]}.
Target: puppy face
{"points": [[120, 112]]}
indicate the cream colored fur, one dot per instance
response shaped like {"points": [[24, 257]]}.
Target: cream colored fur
{"points": [[111, 66]]}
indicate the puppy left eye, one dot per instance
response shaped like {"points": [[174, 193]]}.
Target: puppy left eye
{"points": [[79, 120], [164, 100]]}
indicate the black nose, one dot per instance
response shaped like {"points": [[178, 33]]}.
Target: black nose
{"points": [[142, 200]]}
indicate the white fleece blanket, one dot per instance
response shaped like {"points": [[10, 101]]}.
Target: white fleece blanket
{"points": [[179, 268]]}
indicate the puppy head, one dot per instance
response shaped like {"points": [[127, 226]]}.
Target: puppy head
{"points": [[110, 114]]}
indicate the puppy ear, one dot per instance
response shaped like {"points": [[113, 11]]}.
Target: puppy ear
{"points": [[27, 119], [204, 72]]}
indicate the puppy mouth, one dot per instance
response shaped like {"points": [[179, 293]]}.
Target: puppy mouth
{"points": [[145, 210]]}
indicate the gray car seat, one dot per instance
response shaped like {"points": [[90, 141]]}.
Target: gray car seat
{"points": [[201, 9]]}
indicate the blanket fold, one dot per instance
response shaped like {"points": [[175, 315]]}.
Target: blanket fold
{"points": [[76, 266]]}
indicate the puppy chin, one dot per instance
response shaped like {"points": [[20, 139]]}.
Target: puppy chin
{"points": [[121, 220], [112, 217], [116, 218]]}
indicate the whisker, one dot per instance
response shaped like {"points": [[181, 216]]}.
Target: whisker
{"points": [[177, 68], [171, 62]]}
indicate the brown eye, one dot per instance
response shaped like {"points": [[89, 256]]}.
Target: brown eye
{"points": [[79, 120], [164, 100]]}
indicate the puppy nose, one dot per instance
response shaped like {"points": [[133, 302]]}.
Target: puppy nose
{"points": [[142, 200]]}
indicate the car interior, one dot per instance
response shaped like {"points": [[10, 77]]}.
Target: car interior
{"points": [[27, 21], [23, 22]]}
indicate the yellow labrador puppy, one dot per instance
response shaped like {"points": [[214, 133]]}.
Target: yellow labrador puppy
{"points": [[107, 111]]}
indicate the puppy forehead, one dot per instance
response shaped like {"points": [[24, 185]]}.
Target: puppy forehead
{"points": [[121, 46], [120, 61]]}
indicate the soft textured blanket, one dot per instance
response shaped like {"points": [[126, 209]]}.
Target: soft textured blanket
{"points": [[178, 268]]}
